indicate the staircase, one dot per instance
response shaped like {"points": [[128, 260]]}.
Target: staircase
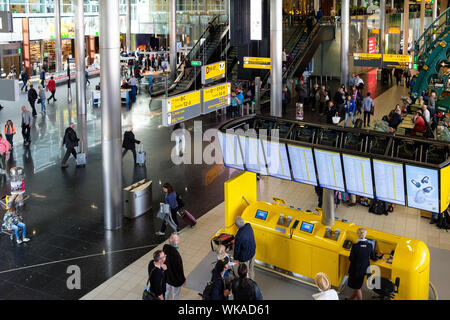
{"points": [[432, 50]]}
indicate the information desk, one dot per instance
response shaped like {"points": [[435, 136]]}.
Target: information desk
{"points": [[124, 96], [312, 248]]}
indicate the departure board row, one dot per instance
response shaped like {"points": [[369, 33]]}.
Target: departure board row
{"points": [[383, 180]]}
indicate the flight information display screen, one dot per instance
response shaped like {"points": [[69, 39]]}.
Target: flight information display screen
{"points": [[388, 177], [302, 164], [277, 159], [231, 152], [253, 154], [358, 175], [329, 169], [422, 188]]}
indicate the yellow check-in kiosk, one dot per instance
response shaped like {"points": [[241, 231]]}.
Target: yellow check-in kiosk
{"points": [[294, 240]]}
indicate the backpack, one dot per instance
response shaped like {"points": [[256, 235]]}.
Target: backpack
{"points": [[180, 202], [379, 207], [207, 292], [443, 221]]}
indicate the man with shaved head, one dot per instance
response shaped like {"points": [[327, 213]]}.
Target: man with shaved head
{"points": [[174, 272]]}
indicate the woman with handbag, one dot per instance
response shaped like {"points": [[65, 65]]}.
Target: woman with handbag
{"points": [[171, 200]]}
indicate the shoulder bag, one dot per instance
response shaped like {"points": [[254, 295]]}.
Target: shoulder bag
{"points": [[148, 294]]}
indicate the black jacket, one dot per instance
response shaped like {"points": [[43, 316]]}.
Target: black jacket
{"points": [[157, 279], [174, 263], [70, 138], [244, 244], [360, 254], [218, 286], [129, 142], [330, 114], [32, 94], [249, 292], [338, 99], [395, 120], [24, 76]]}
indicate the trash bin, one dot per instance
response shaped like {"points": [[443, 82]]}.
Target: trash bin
{"points": [[137, 199]]}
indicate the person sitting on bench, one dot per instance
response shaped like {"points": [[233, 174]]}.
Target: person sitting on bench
{"points": [[12, 222]]}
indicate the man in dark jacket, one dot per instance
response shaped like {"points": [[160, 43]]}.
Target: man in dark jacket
{"points": [[24, 77], [174, 273], [285, 99], [331, 112], [71, 141], [42, 78], [129, 143], [32, 96], [244, 245], [219, 291], [157, 274]]}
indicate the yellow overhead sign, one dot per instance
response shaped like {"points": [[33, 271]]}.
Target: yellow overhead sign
{"points": [[216, 92], [257, 63], [183, 101], [212, 72], [367, 55], [400, 58]]}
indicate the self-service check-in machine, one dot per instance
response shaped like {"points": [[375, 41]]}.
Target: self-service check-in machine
{"points": [[296, 241]]}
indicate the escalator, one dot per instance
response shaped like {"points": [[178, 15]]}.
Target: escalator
{"points": [[302, 52], [213, 46], [433, 52]]}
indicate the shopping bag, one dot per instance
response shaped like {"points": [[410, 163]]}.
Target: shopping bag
{"points": [[336, 119], [140, 155]]}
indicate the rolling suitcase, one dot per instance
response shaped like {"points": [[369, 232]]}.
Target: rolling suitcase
{"points": [[140, 155], [81, 159], [187, 217]]}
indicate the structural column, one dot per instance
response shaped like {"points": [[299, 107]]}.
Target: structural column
{"points": [[422, 18], [382, 25], [111, 113], [435, 9], [276, 50], [406, 27], [365, 34], [128, 35], [173, 38], [328, 207], [58, 49], [345, 25], [80, 57]]}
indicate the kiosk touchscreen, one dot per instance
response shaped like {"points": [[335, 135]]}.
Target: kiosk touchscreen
{"points": [[358, 175], [231, 152], [302, 164], [329, 169], [277, 159], [389, 184], [422, 188], [306, 227], [260, 214], [253, 154]]}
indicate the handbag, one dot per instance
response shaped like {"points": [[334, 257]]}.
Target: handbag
{"points": [[39, 101], [336, 119], [148, 294]]}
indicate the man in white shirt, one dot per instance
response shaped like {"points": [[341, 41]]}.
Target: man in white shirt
{"points": [[426, 114], [324, 286], [359, 82]]}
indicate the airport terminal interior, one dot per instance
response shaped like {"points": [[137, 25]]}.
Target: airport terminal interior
{"points": [[320, 125]]}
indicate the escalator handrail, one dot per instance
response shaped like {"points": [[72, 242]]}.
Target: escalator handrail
{"points": [[417, 47]]}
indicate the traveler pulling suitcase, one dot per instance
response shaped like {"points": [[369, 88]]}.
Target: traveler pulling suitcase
{"points": [[140, 156]]}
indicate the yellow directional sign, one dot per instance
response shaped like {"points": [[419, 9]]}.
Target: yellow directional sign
{"points": [[183, 101], [216, 97], [367, 60], [402, 61], [257, 63], [213, 72], [181, 108]]}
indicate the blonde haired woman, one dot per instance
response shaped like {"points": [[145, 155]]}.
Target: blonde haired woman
{"points": [[324, 286], [360, 254]]}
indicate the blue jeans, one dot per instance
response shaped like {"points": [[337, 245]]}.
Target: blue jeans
{"points": [[42, 105], [25, 85], [346, 118], [17, 227]]}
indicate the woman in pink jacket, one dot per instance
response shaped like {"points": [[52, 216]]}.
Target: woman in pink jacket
{"points": [[4, 153]]}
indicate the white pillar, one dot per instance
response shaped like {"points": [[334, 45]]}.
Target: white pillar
{"points": [[58, 50], [173, 37], [422, 18], [128, 35], [80, 57], [406, 27], [111, 113], [382, 25], [276, 50], [345, 30], [435, 9]]}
